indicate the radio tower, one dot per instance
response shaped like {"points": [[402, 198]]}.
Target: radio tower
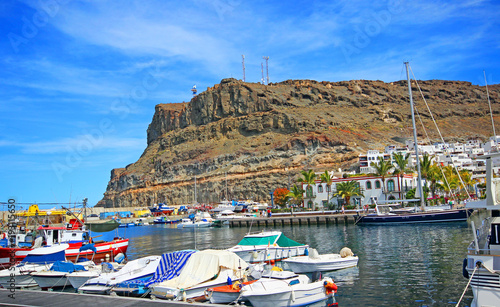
{"points": [[243, 64], [262, 71], [267, 68]]}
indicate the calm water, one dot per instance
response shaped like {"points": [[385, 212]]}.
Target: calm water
{"points": [[405, 265]]}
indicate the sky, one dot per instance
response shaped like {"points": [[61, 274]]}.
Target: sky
{"points": [[79, 80]]}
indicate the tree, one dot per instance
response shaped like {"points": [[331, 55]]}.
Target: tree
{"points": [[401, 167], [348, 189], [326, 178], [382, 169], [308, 178], [281, 196], [425, 166], [296, 195]]}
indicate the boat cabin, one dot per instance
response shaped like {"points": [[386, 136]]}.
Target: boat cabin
{"points": [[55, 235]]}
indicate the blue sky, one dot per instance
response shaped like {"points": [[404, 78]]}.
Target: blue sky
{"points": [[79, 79]]}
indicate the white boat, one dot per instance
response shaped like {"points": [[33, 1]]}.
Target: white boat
{"points": [[322, 263], [205, 269], [227, 215], [188, 223], [38, 259], [481, 266], [267, 246], [287, 289], [143, 268], [57, 275]]}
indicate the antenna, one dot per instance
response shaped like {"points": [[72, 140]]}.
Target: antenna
{"points": [[262, 71], [243, 64], [194, 90], [267, 68], [489, 103]]}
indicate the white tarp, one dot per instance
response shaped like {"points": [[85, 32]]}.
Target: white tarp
{"points": [[203, 266]]}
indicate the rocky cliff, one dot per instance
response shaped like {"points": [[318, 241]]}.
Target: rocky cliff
{"points": [[242, 140]]}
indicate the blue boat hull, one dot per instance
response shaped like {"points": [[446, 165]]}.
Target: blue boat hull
{"points": [[458, 215]]}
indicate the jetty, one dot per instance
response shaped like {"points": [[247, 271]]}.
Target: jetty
{"points": [[300, 219]]}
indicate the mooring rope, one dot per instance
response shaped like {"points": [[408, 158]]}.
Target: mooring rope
{"points": [[468, 283]]}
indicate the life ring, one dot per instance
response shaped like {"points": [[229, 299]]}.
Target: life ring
{"points": [[330, 286], [4, 235]]}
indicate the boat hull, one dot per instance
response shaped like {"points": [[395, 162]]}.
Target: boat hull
{"points": [[298, 297], [7, 252], [458, 215], [109, 249], [51, 279], [303, 264], [77, 279]]}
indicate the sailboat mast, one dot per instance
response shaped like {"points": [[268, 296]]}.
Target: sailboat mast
{"points": [[489, 104], [420, 190]]}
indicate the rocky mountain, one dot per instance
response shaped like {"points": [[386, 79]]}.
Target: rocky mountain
{"points": [[242, 140]]}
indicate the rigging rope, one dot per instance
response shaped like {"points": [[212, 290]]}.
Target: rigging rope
{"points": [[468, 283], [440, 135]]}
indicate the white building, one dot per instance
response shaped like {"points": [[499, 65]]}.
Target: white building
{"points": [[316, 196]]}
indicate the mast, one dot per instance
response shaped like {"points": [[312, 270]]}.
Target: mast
{"points": [[420, 190], [491, 112]]}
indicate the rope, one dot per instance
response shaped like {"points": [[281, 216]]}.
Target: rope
{"points": [[468, 283]]}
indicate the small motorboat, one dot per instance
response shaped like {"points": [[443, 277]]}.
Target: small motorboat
{"points": [[286, 288], [205, 269], [140, 269], [57, 275], [188, 223], [37, 259], [267, 246], [321, 263], [227, 293]]}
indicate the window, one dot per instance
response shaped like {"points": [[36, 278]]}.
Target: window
{"points": [[390, 185], [320, 189], [377, 184], [368, 185], [309, 191], [328, 188]]}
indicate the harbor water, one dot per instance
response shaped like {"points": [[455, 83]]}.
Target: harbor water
{"points": [[399, 265]]}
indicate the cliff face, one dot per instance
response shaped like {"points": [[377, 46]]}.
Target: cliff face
{"points": [[243, 140]]}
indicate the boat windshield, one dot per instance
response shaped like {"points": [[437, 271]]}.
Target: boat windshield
{"points": [[258, 240]]}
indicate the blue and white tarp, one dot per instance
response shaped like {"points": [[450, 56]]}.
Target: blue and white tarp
{"points": [[170, 266]]}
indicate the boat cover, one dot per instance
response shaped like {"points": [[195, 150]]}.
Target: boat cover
{"points": [[283, 241], [89, 246], [170, 266], [103, 227], [66, 266], [203, 266], [47, 254]]}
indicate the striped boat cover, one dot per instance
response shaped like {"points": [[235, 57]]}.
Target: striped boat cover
{"points": [[170, 266]]}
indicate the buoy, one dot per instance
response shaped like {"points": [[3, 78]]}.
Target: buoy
{"points": [[272, 262], [330, 286]]}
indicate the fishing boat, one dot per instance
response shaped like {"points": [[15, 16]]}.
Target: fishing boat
{"points": [[205, 269], [481, 267], [57, 275], [315, 262], [161, 209], [267, 246], [416, 216], [164, 220], [37, 259], [284, 288], [170, 266], [140, 269]]}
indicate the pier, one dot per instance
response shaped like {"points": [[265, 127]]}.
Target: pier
{"points": [[299, 219], [63, 299]]}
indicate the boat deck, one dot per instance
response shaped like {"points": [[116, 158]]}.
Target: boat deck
{"points": [[63, 299]]}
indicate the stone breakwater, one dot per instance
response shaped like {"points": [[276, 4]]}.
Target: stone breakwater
{"points": [[243, 140]]}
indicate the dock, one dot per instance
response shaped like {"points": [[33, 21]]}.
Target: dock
{"points": [[38, 298], [296, 219]]}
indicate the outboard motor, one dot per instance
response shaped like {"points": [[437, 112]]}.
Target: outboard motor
{"points": [[316, 276]]}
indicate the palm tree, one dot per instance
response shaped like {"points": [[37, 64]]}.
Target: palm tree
{"points": [[425, 166], [433, 176], [402, 167], [296, 195], [348, 189], [308, 178], [382, 168], [326, 178]]}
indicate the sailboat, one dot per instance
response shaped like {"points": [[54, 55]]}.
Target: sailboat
{"points": [[414, 216]]}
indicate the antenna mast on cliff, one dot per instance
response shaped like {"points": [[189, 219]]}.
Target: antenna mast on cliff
{"points": [[194, 90], [262, 71], [243, 64], [267, 68]]}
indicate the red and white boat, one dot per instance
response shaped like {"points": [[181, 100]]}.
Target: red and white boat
{"points": [[79, 240]]}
